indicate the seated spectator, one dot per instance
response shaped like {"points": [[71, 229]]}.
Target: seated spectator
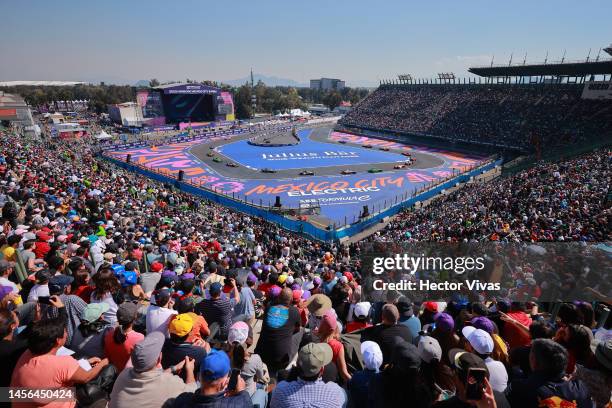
{"points": [[177, 347], [120, 341], [159, 314], [59, 285], [328, 332], [598, 377], [200, 327], [144, 384], [88, 340], [548, 361], [519, 357], [12, 344], [108, 290], [6, 269], [309, 389], [214, 378], [252, 369], [39, 366], [219, 309], [360, 381], [41, 288], [444, 332], [437, 375]]}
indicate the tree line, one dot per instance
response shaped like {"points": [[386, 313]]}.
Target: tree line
{"points": [[268, 99]]}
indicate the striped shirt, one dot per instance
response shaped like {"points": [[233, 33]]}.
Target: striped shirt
{"points": [[218, 311]]}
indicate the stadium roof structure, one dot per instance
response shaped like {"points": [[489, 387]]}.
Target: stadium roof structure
{"points": [[565, 69], [40, 83]]}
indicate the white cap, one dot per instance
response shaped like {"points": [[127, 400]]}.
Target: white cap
{"points": [[372, 355], [480, 340], [362, 309]]}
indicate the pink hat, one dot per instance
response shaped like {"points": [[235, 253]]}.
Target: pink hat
{"points": [[238, 333], [328, 323]]}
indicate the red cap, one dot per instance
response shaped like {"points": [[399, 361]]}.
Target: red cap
{"points": [[157, 266], [431, 306], [348, 275], [42, 236]]}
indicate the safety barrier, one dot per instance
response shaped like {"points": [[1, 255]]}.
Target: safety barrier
{"points": [[298, 226]]}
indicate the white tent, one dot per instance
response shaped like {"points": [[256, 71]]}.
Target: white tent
{"points": [[103, 136]]}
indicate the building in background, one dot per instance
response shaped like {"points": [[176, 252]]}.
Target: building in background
{"points": [[327, 84], [14, 109], [126, 114]]}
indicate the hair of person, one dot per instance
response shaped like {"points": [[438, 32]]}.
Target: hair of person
{"points": [[239, 355], [6, 319], [586, 313], [106, 282], [580, 341], [55, 262], [550, 357], [75, 264], [29, 244], [90, 328], [286, 297], [44, 335], [13, 239], [80, 251], [187, 285], [517, 307], [178, 339], [540, 329], [568, 313]]}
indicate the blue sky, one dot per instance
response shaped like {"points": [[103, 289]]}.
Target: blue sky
{"points": [[359, 41]]}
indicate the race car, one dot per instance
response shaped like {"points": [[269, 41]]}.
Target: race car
{"points": [[217, 160], [307, 173], [384, 149], [374, 170], [406, 154], [399, 166], [342, 141], [267, 170], [210, 154], [367, 146], [348, 171], [230, 164]]}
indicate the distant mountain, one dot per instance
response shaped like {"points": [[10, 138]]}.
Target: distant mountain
{"points": [[142, 83], [268, 80]]}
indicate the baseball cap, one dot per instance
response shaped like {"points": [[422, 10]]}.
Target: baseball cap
{"points": [[146, 352], [462, 361], [157, 266], [93, 311], [480, 340], [4, 265], [362, 309], [238, 333], [404, 306], [431, 306], [483, 323], [313, 357], [444, 322], [328, 323], [372, 355], [215, 288], [405, 355], [429, 349], [43, 275], [126, 313], [181, 325], [215, 365], [57, 283]]}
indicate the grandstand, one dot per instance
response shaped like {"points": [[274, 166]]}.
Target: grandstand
{"points": [[524, 108]]}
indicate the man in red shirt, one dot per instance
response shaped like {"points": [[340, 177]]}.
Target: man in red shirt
{"points": [[41, 247]]}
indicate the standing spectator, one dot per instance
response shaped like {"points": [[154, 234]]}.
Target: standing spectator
{"points": [[281, 322], [88, 340], [386, 333], [407, 317], [309, 389], [481, 343], [41, 288], [360, 381], [548, 361]]}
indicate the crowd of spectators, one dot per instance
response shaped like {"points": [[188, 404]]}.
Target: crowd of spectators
{"points": [[512, 116], [139, 295], [550, 202]]}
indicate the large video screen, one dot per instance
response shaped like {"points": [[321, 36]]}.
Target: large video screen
{"points": [[186, 108]]}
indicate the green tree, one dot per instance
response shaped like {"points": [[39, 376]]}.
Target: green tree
{"points": [[153, 82], [332, 100]]}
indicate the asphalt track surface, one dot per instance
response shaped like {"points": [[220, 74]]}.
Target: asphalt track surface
{"points": [[423, 160]]}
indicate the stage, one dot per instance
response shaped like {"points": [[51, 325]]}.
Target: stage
{"points": [[339, 198]]}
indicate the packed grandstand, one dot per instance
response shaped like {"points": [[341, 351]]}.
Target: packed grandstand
{"points": [[118, 290]]}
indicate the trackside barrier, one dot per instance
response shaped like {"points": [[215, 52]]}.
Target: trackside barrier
{"points": [[297, 226]]}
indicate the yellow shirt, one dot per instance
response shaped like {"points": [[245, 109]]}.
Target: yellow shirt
{"points": [[9, 253]]}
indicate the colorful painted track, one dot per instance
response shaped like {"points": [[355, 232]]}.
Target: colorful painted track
{"points": [[340, 197]]}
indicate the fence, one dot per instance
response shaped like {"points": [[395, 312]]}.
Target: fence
{"points": [[332, 233]]}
